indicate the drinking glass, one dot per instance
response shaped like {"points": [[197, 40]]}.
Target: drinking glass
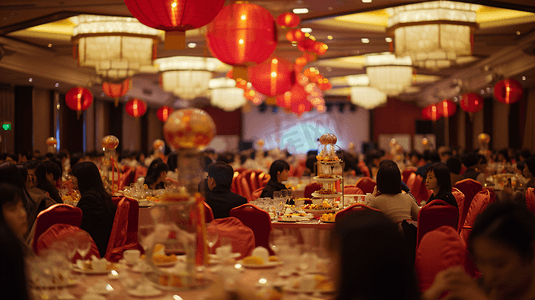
{"points": [[84, 243], [277, 195], [211, 237]]}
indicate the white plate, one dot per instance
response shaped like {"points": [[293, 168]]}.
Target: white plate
{"points": [[150, 292], [335, 195], [328, 179], [319, 211], [293, 219], [78, 270], [70, 282], [99, 292], [233, 255], [270, 264]]}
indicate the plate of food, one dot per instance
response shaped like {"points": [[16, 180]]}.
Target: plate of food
{"points": [[255, 262], [311, 284], [326, 194], [86, 267], [293, 217], [328, 218], [327, 178]]}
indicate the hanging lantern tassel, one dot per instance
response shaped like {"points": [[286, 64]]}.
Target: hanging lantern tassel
{"points": [[116, 101], [175, 40], [78, 113]]}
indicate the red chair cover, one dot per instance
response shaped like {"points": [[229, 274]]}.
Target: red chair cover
{"points": [[140, 172], [234, 184], [126, 168], [61, 232], [56, 214], [364, 169], [478, 205], [419, 191], [258, 220], [435, 214], [440, 249], [245, 189], [530, 199], [241, 236], [116, 200], [469, 188], [124, 230], [125, 179], [208, 213], [352, 208], [459, 196], [353, 190], [366, 184], [410, 181], [407, 172], [311, 188], [256, 194]]}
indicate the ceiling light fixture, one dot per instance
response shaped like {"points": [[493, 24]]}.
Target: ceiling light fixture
{"points": [[523, 77], [434, 34], [365, 40], [518, 33], [306, 30], [330, 37], [366, 1], [388, 73], [300, 11], [192, 45], [225, 94], [30, 79], [388, 39], [56, 85], [364, 95], [49, 45]]}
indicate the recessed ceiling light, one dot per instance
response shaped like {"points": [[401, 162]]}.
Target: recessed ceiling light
{"points": [[329, 69], [306, 30], [388, 39], [330, 37], [488, 89], [365, 40], [482, 91], [523, 77], [455, 99], [329, 8], [294, 44], [300, 10], [518, 33], [102, 94], [366, 1], [56, 85], [192, 45], [30, 79], [49, 45]]}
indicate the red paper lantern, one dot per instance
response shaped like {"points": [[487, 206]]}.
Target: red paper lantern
{"points": [[508, 91], [296, 94], [116, 90], [79, 99], [272, 77], [163, 113], [301, 106], [136, 108], [242, 34], [446, 108], [175, 17], [320, 48], [324, 84], [295, 35], [430, 112], [306, 45], [288, 20], [471, 102]]}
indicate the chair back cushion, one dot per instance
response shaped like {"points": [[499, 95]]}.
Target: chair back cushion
{"points": [[241, 236], [419, 190], [435, 214], [459, 197], [256, 194], [208, 213], [311, 188], [351, 209], [56, 214], [123, 234], [469, 188], [530, 199], [439, 249], [366, 184], [258, 220], [410, 181], [63, 232], [407, 173], [478, 205]]}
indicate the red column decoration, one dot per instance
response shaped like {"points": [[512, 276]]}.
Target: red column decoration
{"points": [[175, 16], [136, 108], [288, 20], [242, 35], [163, 113], [446, 108], [116, 90], [508, 91], [471, 102], [272, 77], [78, 99]]}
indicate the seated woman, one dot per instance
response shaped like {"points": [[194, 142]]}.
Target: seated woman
{"points": [[438, 180], [278, 172], [502, 245], [388, 198], [156, 174], [96, 205]]}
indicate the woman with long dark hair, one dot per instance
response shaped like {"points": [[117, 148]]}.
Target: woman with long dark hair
{"points": [[156, 174], [46, 174], [97, 208], [278, 172], [438, 180]]}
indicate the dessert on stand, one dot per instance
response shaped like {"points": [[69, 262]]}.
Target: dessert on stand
{"points": [[327, 160]]}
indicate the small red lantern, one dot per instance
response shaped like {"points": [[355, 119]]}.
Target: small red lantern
{"points": [[306, 45], [295, 94], [272, 77], [446, 108], [242, 35], [301, 106], [136, 108], [430, 112], [471, 102], [116, 90], [295, 35], [175, 17], [320, 48], [508, 91], [288, 20], [324, 84], [79, 99], [163, 113]]}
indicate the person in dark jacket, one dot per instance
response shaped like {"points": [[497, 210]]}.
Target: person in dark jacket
{"points": [[278, 171], [438, 180], [96, 205], [219, 197]]}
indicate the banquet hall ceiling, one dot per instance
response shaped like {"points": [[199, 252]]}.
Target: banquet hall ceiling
{"points": [[503, 46]]}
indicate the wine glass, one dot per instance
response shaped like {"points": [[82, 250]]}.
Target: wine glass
{"points": [[211, 237], [83, 244]]}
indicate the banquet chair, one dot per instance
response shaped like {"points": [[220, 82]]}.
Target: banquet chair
{"points": [[116, 200], [241, 237], [407, 172], [56, 214], [469, 188], [530, 199], [311, 188], [234, 184], [140, 172], [351, 209], [410, 181], [459, 197], [258, 220], [439, 249], [208, 213], [435, 214], [256, 194], [125, 179], [245, 188], [479, 204], [366, 184], [419, 190], [124, 230], [62, 233]]}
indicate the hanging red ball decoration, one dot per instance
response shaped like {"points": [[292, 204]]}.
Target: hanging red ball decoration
{"points": [[272, 77], [136, 108], [116, 90], [430, 112], [242, 34], [163, 113], [446, 108], [175, 17], [288, 20], [306, 45], [79, 99], [295, 35], [471, 102], [508, 91], [320, 48]]}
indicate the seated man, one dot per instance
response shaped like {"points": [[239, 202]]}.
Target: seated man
{"points": [[219, 196]]}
